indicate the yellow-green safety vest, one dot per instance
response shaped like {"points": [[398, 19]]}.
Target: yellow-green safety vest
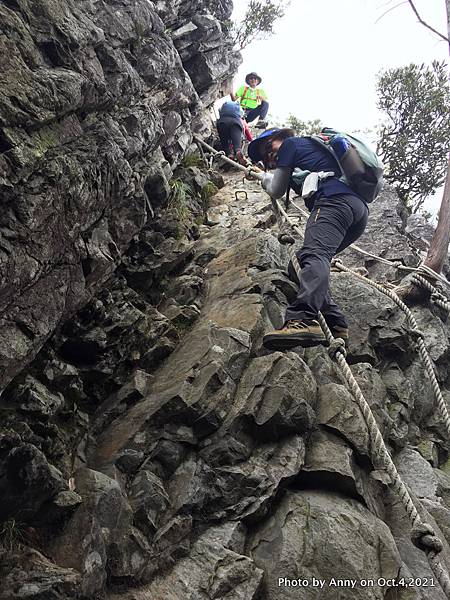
{"points": [[250, 97]]}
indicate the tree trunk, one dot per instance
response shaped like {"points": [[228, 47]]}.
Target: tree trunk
{"points": [[438, 249], [437, 252], [448, 16]]}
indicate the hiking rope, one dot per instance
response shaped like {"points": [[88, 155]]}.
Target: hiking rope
{"points": [[413, 329], [418, 340], [424, 269], [422, 534], [436, 295], [221, 154]]}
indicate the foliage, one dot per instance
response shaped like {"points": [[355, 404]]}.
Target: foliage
{"points": [[12, 535], [310, 127], [180, 192], [258, 21], [208, 191], [192, 159], [414, 139]]}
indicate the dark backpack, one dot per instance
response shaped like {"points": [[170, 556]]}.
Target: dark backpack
{"points": [[231, 109], [361, 168]]}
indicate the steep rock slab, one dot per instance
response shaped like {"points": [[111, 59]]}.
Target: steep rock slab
{"points": [[198, 381], [100, 536], [215, 568], [194, 387], [27, 479], [31, 576], [327, 537], [276, 396], [242, 490]]}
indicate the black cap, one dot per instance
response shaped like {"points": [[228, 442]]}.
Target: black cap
{"points": [[254, 148], [252, 74]]}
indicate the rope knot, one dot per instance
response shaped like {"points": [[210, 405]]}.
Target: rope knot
{"points": [[438, 296], [337, 346], [424, 537]]}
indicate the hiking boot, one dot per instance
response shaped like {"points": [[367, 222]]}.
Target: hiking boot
{"points": [[261, 125], [295, 333]]}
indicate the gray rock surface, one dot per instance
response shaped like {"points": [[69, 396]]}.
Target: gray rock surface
{"points": [[150, 447], [97, 98], [324, 536], [215, 568]]}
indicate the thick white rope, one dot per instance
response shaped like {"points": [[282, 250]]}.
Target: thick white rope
{"points": [[422, 535], [436, 295], [418, 339]]}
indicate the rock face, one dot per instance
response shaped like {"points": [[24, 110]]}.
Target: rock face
{"points": [[154, 449], [317, 536], [98, 104], [150, 447]]}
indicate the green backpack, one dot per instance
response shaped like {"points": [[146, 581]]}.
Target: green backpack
{"points": [[361, 168]]}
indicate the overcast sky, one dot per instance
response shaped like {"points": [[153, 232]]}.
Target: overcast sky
{"points": [[323, 60]]}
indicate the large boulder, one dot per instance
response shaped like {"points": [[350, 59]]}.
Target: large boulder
{"points": [[323, 545]]}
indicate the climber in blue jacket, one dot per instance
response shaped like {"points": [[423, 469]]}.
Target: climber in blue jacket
{"points": [[231, 128], [338, 216]]}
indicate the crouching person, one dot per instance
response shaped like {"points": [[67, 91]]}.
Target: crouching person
{"points": [[253, 100], [231, 129]]}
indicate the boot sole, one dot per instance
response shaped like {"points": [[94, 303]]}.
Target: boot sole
{"points": [[276, 342]]}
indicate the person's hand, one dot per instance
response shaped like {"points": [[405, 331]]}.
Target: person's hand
{"points": [[251, 171]]}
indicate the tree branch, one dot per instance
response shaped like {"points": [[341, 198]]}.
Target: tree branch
{"points": [[441, 35], [389, 10]]}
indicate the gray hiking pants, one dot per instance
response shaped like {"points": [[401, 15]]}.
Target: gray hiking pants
{"points": [[333, 224]]}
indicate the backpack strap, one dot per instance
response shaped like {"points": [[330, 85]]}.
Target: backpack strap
{"points": [[321, 141], [244, 95]]}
